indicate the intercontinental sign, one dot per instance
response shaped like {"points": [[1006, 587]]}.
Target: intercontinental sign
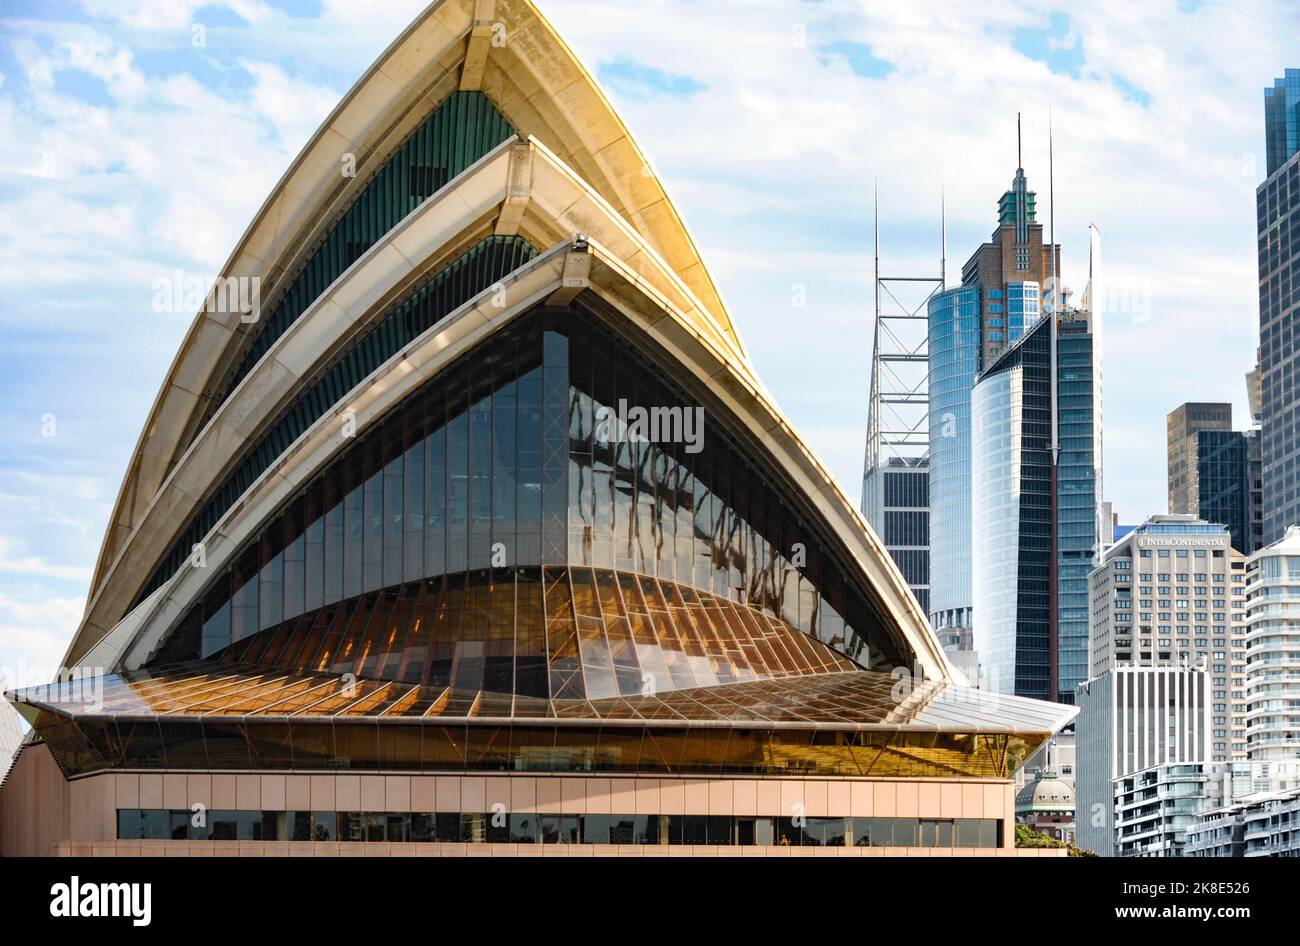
{"points": [[1146, 542]]}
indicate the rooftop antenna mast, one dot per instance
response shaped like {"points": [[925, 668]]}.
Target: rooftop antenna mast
{"points": [[943, 238], [1051, 226]]}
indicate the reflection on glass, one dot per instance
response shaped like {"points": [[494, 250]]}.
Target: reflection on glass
{"points": [[520, 455]]}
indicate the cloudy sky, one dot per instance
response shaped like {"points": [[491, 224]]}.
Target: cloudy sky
{"points": [[130, 151]]}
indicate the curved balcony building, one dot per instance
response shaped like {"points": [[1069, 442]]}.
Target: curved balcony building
{"points": [[1273, 652]]}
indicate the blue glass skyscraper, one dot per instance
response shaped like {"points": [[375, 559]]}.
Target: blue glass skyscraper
{"points": [[954, 346], [1078, 495], [1034, 523], [1277, 206], [1282, 119]]}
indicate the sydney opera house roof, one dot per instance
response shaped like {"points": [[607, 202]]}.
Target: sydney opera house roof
{"points": [[486, 480]]}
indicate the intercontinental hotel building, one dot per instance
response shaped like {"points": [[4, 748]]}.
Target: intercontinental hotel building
{"points": [[399, 566]]}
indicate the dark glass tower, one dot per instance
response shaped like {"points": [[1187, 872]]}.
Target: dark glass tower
{"points": [[1276, 203], [1282, 119], [1213, 470], [1223, 473], [1035, 526]]}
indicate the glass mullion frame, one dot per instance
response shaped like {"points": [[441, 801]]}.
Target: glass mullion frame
{"points": [[754, 657], [354, 524], [499, 643], [287, 639], [446, 632], [314, 546], [413, 501], [720, 521], [555, 448], [666, 472], [458, 490], [597, 661], [373, 512], [644, 508], [227, 699], [613, 499], [435, 473], [789, 606], [804, 655], [530, 635], [392, 434], [342, 656], [288, 632], [390, 656], [618, 635], [505, 463], [216, 631], [480, 483], [672, 641], [245, 598], [809, 600], [420, 643], [468, 660], [780, 646], [564, 661], [739, 558], [304, 693], [413, 646], [256, 646], [295, 552], [377, 632], [719, 640], [301, 653], [528, 468]]}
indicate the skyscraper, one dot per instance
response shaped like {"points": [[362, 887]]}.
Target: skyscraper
{"points": [[999, 299], [1277, 208], [1282, 119], [1182, 425], [1210, 470], [955, 345], [1035, 509]]}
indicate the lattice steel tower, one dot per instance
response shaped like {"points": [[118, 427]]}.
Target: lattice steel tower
{"points": [[895, 481]]}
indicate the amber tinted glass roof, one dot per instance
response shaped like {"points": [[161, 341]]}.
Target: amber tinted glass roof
{"points": [[849, 700], [593, 633]]}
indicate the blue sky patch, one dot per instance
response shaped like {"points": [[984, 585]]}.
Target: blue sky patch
{"points": [[1055, 46], [1133, 92], [213, 17], [82, 86], [639, 81], [861, 60]]}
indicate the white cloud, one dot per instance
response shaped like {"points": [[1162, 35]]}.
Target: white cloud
{"points": [[34, 632]]}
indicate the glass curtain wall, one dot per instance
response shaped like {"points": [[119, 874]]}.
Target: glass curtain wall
{"points": [[954, 351], [518, 455]]}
